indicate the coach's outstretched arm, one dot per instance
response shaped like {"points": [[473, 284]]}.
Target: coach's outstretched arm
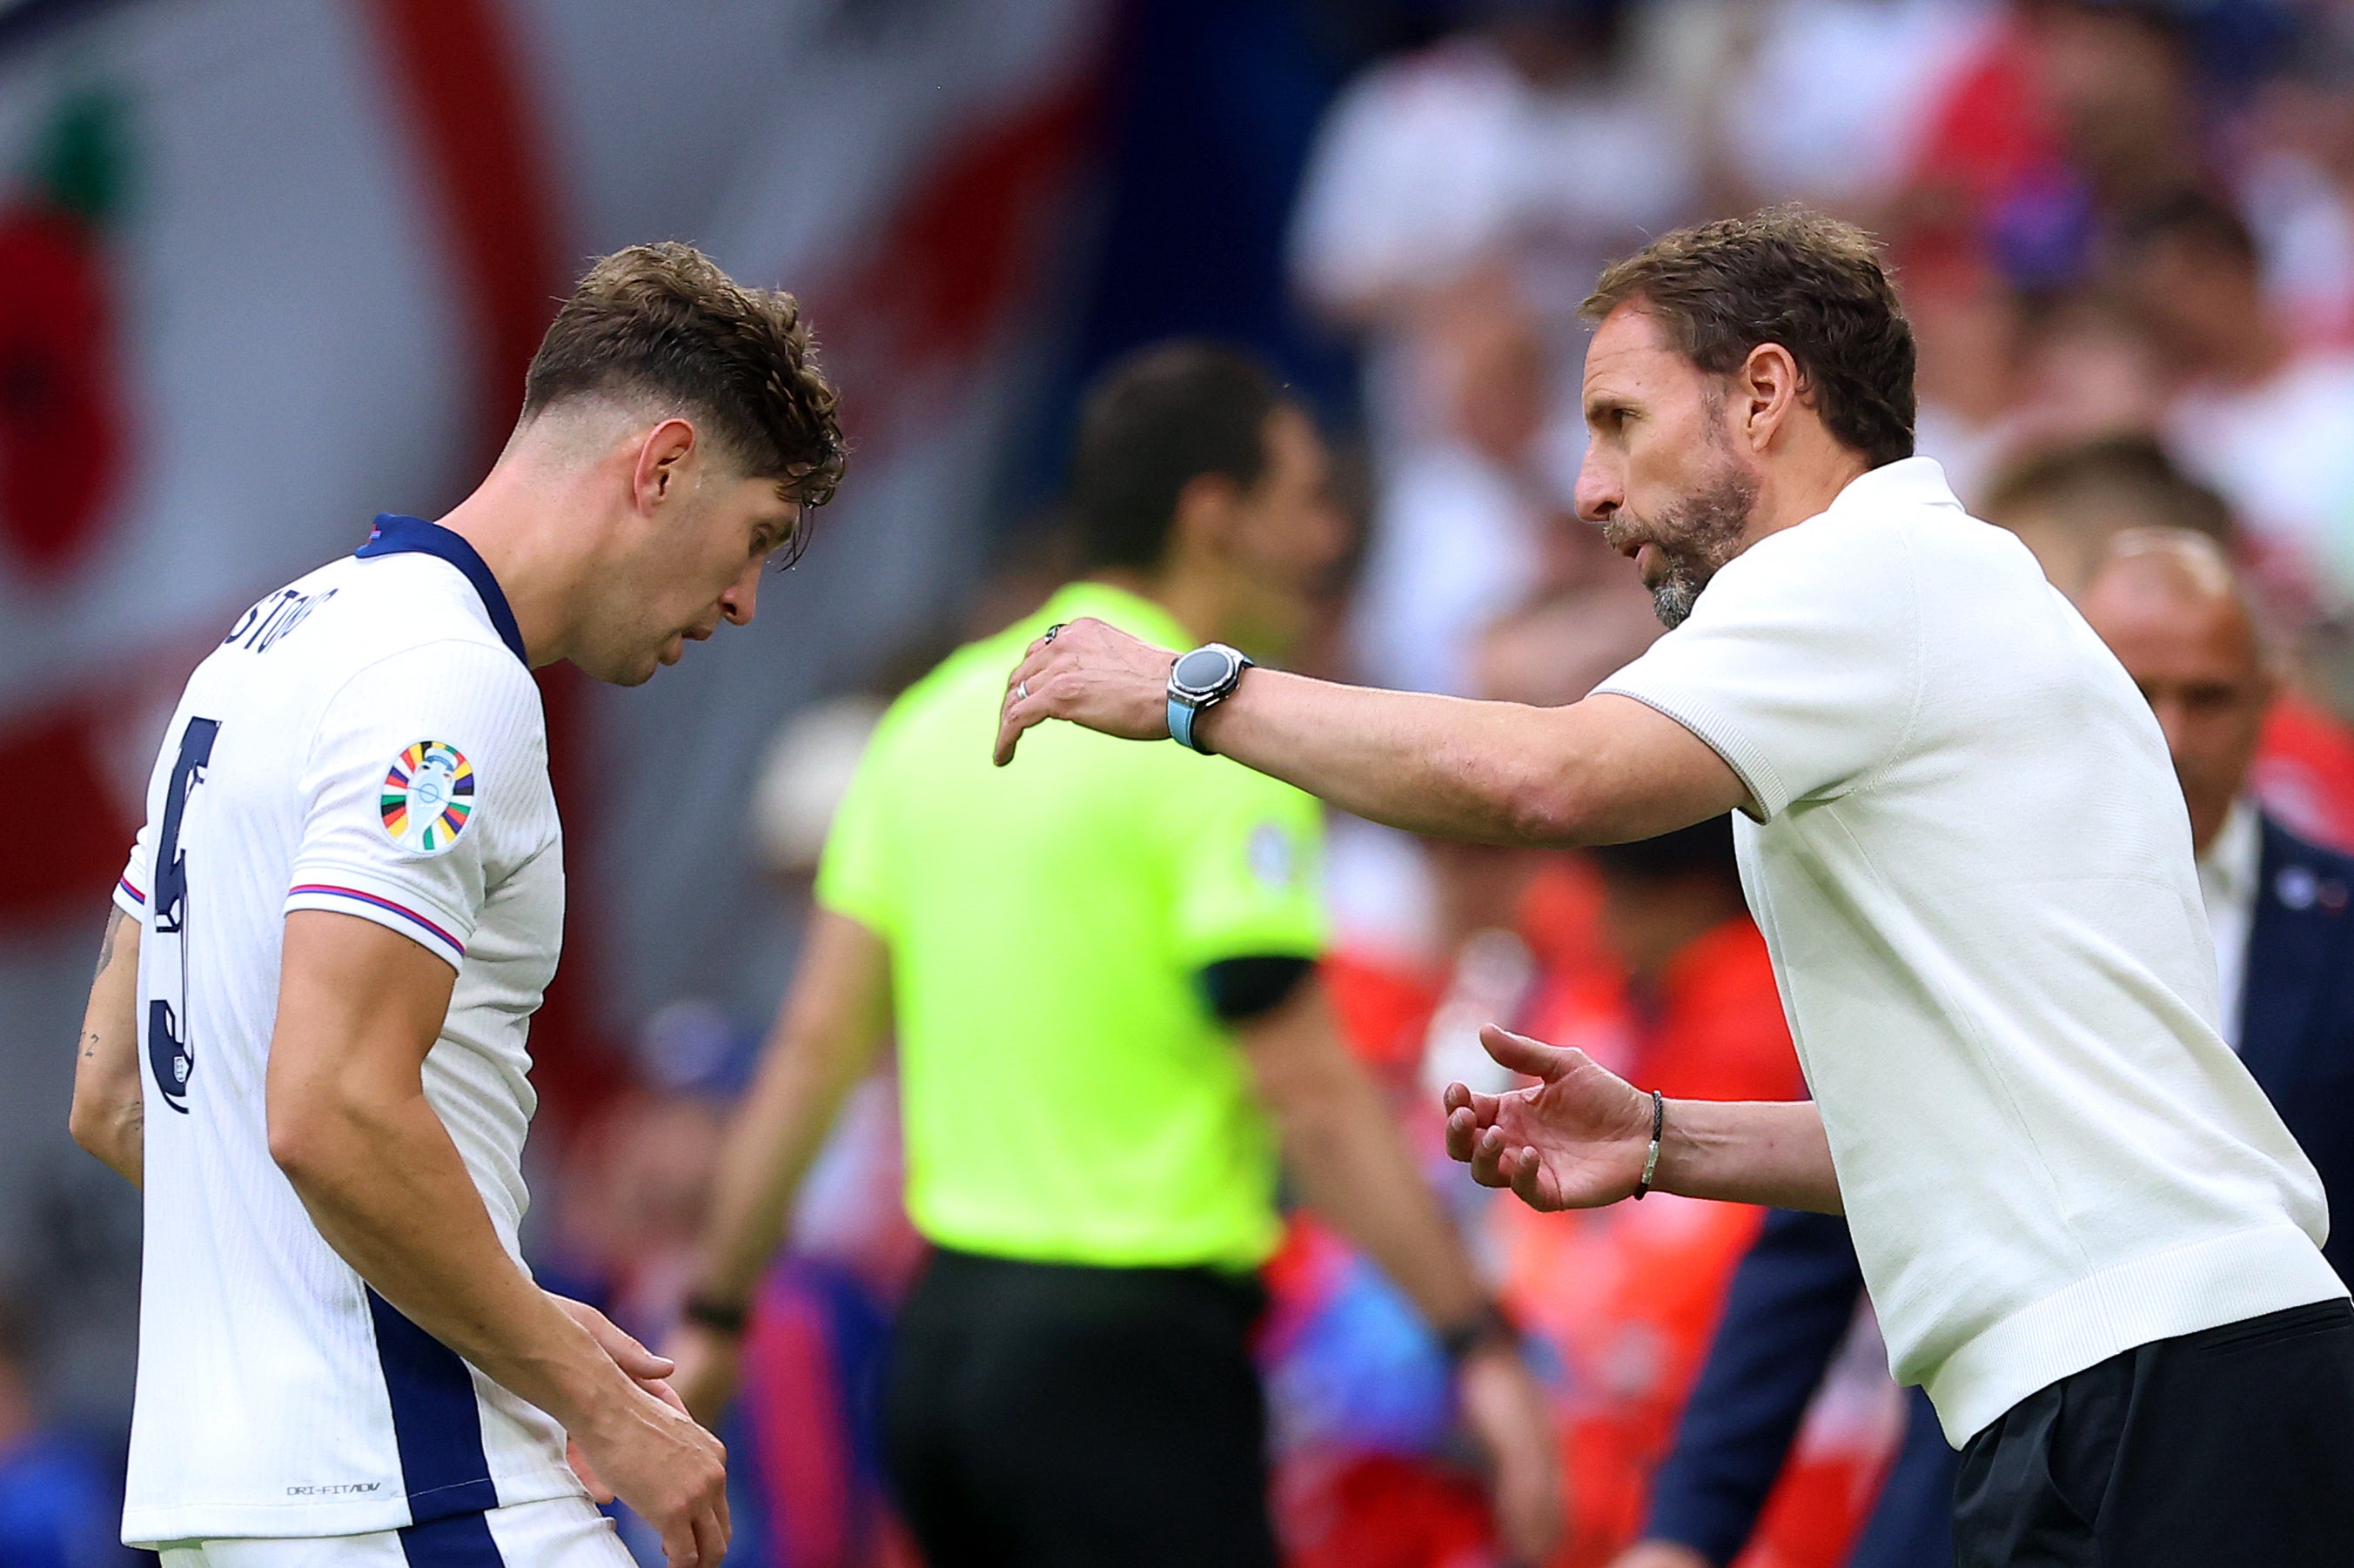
{"points": [[1604, 770], [359, 1007], [1600, 771]]}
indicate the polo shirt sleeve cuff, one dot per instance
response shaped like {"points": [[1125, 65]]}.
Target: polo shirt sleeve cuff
{"points": [[128, 898], [1768, 797], [842, 901], [1270, 940], [348, 890]]}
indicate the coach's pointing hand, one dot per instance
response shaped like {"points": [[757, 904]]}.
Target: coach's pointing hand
{"points": [[1092, 675], [1575, 1140]]}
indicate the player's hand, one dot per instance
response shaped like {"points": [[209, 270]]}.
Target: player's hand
{"points": [[651, 1455], [1659, 1554], [647, 1370], [1092, 675], [1575, 1140], [706, 1363], [1508, 1417]]}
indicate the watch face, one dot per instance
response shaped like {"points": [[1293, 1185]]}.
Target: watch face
{"points": [[1202, 669]]}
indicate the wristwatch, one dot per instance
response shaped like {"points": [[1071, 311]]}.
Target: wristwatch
{"points": [[1198, 681]]}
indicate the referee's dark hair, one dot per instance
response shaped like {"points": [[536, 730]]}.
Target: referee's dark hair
{"points": [[1791, 276], [1151, 424]]}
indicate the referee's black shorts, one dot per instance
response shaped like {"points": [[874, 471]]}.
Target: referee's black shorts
{"points": [[2229, 1448], [1041, 1415]]}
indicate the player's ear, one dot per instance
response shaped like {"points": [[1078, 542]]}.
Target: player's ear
{"points": [[662, 458]]}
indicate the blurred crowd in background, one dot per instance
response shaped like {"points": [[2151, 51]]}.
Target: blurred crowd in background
{"points": [[2125, 235]]}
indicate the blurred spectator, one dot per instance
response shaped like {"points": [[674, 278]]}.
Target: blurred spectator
{"points": [[1967, 334], [2270, 427], [2069, 505], [1475, 484], [636, 1180], [59, 1502], [2296, 185], [1459, 205], [1827, 100], [1519, 156], [2075, 115], [2088, 367], [802, 780]]}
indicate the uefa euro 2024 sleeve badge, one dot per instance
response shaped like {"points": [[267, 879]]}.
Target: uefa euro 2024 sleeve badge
{"points": [[428, 797]]}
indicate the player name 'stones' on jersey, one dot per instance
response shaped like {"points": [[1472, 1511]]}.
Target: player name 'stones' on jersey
{"points": [[367, 740]]}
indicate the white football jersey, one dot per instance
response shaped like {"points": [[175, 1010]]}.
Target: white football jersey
{"points": [[367, 740]]}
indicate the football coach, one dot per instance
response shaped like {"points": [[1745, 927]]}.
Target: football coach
{"points": [[2084, 1229]]}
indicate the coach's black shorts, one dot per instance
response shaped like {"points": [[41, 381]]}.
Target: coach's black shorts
{"points": [[2229, 1448], [1046, 1416]]}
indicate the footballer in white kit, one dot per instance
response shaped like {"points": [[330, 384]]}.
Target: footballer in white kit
{"points": [[344, 905], [367, 740]]}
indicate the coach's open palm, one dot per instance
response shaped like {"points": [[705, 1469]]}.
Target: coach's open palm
{"points": [[1575, 1140]]}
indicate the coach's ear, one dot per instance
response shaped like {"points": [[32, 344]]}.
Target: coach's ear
{"points": [[1767, 390], [664, 454]]}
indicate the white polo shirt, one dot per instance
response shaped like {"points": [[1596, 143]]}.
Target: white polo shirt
{"points": [[1972, 863], [368, 741]]}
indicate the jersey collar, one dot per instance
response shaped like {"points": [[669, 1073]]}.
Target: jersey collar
{"points": [[397, 535]]}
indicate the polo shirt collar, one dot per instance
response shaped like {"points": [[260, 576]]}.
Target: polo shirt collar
{"points": [[1907, 481], [395, 535], [1117, 607]]}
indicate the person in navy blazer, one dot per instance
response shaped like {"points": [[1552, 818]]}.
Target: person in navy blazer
{"points": [[2167, 602]]}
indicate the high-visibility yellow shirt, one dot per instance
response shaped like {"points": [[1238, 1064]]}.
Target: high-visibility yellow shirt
{"points": [[1067, 1094]]}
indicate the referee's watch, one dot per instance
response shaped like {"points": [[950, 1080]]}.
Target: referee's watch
{"points": [[1198, 681]]}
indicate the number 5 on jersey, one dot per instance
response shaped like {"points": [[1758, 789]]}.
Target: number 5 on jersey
{"points": [[171, 1056]]}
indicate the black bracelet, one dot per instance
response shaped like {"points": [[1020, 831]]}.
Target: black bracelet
{"points": [[1651, 1159], [1489, 1327], [720, 1317]]}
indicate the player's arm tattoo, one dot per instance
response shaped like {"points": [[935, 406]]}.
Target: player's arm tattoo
{"points": [[115, 920]]}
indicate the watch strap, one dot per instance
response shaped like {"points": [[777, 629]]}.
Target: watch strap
{"points": [[1181, 723]]}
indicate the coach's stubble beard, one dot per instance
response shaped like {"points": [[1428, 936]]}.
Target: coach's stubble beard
{"points": [[1694, 535]]}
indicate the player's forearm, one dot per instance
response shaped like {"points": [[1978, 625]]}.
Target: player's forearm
{"points": [[109, 1115], [1749, 1151], [387, 1189]]}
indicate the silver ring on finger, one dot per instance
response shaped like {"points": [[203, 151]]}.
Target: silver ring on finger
{"points": [[1053, 631], [1021, 692]]}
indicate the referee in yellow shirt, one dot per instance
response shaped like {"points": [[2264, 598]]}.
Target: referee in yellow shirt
{"points": [[1071, 1383]]}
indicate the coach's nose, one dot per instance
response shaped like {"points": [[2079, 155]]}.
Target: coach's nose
{"points": [[1601, 488]]}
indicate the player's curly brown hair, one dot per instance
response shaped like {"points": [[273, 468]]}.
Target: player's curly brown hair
{"points": [[1794, 276], [662, 321]]}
